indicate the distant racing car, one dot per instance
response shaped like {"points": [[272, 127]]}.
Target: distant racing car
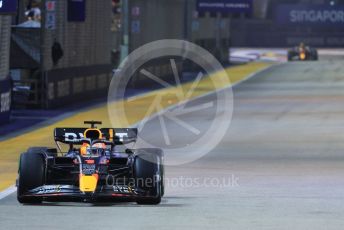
{"points": [[302, 53], [96, 166]]}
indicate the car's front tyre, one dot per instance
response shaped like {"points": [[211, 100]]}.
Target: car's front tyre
{"points": [[148, 172], [31, 175]]}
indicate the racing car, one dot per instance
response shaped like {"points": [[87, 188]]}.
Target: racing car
{"points": [[97, 165], [302, 53]]}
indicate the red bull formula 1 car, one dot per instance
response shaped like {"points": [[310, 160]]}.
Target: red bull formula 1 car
{"points": [[96, 166], [302, 53]]}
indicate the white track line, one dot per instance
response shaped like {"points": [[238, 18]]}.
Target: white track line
{"points": [[8, 192]]}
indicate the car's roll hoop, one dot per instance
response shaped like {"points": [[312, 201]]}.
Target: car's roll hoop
{"points": [[93, 123]]}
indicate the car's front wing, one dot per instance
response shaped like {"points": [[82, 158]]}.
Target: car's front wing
{"points": [[73, 192]]}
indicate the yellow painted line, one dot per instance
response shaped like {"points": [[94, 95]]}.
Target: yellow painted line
{"points": [[135, 109]]}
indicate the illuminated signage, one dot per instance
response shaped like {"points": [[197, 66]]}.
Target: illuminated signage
{"points": [[8, 6], [318, 15], [225, 6]]}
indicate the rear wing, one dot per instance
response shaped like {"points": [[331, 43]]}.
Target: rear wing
{"points": [[119, 136]]}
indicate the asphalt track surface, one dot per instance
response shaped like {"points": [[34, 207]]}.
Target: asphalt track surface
{"points": [[283, 154], [136, 109]]}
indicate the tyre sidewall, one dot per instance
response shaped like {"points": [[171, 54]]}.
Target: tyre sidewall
{"points": [[148, 173], [31, 175]]}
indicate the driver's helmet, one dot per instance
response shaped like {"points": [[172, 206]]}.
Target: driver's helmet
{"points": [[96, 149], [302, 45], [99, 145]]}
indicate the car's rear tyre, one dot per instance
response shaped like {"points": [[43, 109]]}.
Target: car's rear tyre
{"points": [[31, 175], [148, 172], [44, 150]]}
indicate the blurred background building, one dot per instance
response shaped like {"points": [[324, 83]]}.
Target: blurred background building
{"points": [[59, 50], [7, 9]]}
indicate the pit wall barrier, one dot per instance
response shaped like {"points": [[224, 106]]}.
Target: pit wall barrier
{"points": [[78, 84]]}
